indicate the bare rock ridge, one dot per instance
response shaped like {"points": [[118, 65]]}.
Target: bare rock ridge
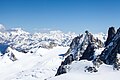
{"points": [[81, 48], [109, 54], [111, 33], [80, 43]]}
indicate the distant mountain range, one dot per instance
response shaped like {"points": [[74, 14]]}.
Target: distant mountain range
{"points": [[24, 41]]}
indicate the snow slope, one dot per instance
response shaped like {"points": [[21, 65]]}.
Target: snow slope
{"points": [[77, 73], [37, 66], [44, 63]]}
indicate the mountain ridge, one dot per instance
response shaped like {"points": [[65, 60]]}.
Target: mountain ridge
{"points": [[46, 56]]}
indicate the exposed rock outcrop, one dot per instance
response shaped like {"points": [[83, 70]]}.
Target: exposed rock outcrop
{"points": [[89, 52], [111, 33], [10, 54], [61, 69], [82, 47], [109, 54], [90, 69]]}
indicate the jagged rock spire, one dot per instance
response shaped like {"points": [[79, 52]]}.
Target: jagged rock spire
{"points": [[109, 54], [80, 43], [111, 33]]}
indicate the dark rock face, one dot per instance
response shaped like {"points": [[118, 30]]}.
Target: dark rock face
{"points": [[97, 61], [74, 45], [116, 65], [12, 57], [109, 54], [100, 43], [90, 69], [111, 33], [76, 41], [89, 52], [89, 45], [84, 46], [61, 70], [68, 60]]}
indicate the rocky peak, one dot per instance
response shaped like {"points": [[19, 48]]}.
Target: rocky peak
{"points": [[111, 33], [82, 42], [109, 54], [81, 47]]}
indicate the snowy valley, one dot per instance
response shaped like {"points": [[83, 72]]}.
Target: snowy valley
{"points": [[59, 56]]}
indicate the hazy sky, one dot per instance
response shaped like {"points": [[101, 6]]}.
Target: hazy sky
{"points": [[66, 15]]}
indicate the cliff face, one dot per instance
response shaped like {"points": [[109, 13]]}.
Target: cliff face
{"points": [[83, 46], [111, 34], [109, 54]]}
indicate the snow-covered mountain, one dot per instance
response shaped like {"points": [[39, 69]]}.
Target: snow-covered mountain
{"points": [[24, 41], [59, 56]]}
